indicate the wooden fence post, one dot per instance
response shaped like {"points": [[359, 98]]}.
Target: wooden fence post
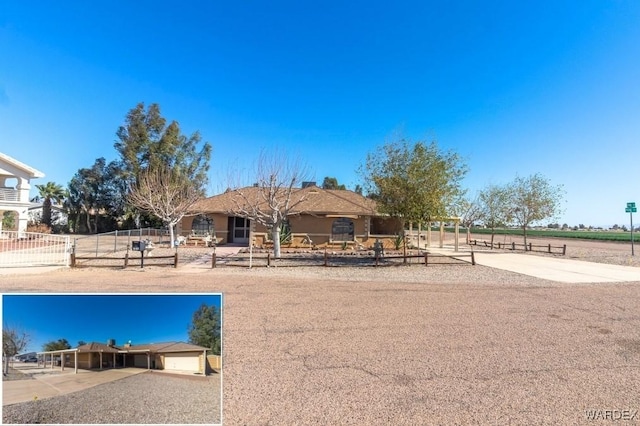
{"points": [[213, 260], [426, 258], [473, 259], [73, 259], [126, 260], [525, 249], [175, 260], [564, 249], [326, 259], [268, 259], [513, 246], [549, 248]]}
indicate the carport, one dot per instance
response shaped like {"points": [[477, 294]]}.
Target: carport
{"points": [[62, 353]]}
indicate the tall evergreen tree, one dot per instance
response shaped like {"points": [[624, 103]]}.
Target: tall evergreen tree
{"points": [[146, 143], [205, 328]]}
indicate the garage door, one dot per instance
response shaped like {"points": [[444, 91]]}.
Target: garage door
{"points": [[185, 361]]}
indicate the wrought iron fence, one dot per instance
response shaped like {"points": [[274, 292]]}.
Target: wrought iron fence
{"points": [[21, 249]]}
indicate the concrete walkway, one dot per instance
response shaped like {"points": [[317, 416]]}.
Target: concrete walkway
{"points": [[60, 383], [557, 269]]}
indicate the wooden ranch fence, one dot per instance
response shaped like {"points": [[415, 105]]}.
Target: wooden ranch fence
{"points": [[126, 260], [540, 248], [327, 260]]}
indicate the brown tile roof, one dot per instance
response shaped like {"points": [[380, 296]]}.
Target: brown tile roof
{"points": [[98, 347], [315, 201], [153, 347]]}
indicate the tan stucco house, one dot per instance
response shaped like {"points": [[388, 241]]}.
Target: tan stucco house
{"points": [[15, 178], [170, 356], [320, 217]]}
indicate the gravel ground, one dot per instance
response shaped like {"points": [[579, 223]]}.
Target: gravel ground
{"points": [[408, 345], [141, 399]]}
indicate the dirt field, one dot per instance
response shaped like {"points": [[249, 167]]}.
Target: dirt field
{"points": [[406, 345]]}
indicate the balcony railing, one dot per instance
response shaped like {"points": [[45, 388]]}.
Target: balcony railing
{"points": [[8, 194]]}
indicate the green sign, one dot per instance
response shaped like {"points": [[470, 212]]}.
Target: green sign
{"points": [[631, 210], [631, 205]]}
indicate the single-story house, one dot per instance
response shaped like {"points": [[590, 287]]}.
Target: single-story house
{"points": [[318, 217], [170, 356]]}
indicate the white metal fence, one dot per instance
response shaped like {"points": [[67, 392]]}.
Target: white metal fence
{"points": [[20, 249]]}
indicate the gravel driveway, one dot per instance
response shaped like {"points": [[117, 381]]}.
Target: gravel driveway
{"points": [[156, 398]]}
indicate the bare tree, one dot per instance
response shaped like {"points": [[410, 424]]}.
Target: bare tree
{"points": [[166, 194], [469, 211], [274, 196], [495, 207], [14, 341]]}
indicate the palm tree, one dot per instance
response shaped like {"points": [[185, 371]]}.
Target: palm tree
{"points": [[49, 193]]}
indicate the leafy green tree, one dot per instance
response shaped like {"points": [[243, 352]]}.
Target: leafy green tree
{"points": [[8, 220], [56, 345], [81, 342], [205, 328], [331, 183], [94, 191], [49, 193], [146, 142], [495, 207], [413, 181], [534, 199]]}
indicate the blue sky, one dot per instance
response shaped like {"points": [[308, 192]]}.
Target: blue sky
{"points": [[141, 318], [515, 88]]}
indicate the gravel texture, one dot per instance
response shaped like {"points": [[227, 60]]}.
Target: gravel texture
{"points": [[141, 399], [448, 344]]}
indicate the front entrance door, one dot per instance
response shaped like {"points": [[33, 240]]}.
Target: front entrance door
{"points": [[241, 230]]}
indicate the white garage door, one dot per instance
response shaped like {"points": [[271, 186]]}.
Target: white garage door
{"points": [[186, 361]]}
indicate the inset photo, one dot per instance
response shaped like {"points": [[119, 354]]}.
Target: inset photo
{"points": [[112, 358]]}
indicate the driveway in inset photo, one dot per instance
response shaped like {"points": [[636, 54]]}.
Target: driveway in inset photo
{"points": [[47, 384]]}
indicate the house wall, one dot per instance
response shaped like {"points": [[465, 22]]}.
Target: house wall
{"points": [[314, 228], [220, 226]]}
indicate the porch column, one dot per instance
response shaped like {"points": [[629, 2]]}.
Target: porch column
{"points": [[206, 362], [114, 360], [457, 235], [441, 234], [100, 360], [75, 362], [63, 358], [148, 361], [52, 361], [428, 234]]}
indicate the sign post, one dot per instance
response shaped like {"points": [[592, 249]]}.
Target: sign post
{"points": [[631, 209]]}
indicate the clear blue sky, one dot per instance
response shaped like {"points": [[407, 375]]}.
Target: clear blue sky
{"points": [[140, 318], [515, 87]]}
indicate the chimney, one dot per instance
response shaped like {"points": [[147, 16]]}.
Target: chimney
{"points": [[111, 342]]}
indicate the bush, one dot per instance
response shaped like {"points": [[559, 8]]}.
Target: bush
{"points": [[40, 228]]}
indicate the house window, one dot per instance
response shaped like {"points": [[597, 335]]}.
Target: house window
{"points": [[202, 225], [342, 230]]}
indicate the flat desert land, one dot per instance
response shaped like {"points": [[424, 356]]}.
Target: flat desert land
{"points": [[449, 344]]}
